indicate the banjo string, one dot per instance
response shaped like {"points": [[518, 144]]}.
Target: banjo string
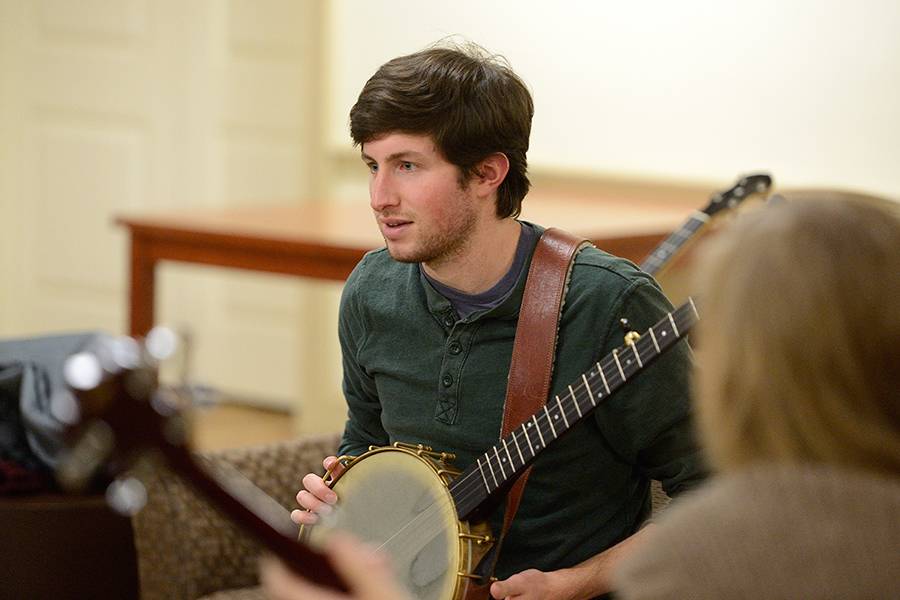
{"points": [[469, 485]]}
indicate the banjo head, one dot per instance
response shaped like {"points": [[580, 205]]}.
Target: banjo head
{"points": [[394, 500]]}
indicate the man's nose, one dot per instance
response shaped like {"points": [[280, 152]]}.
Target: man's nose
{"points": [[381, 193]]}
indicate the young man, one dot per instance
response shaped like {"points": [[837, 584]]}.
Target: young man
{"points": [[427, 324]]}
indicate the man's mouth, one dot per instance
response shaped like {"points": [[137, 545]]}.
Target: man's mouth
{"points": [[394, 223], [393, 227]]}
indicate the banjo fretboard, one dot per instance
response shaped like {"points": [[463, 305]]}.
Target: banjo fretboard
{"points": [[672, 244], [502, 462]]}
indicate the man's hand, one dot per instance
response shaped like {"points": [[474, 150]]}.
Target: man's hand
{"points": [[317, 498], [585, 580], [532, 584]]}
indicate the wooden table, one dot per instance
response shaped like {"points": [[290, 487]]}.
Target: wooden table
{"points": [[326, 240]]}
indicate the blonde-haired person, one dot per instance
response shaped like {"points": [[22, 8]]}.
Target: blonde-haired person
{"points": [[798, 395]]}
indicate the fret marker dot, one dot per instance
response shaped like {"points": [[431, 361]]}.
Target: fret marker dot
{"points": [[529, 424], [628, 362], [556, 416], [664, 333]]}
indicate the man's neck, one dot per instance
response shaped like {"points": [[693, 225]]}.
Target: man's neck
{"points": [[483, 262]]}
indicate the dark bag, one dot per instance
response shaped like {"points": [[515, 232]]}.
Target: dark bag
{"points": [[31, 387]]}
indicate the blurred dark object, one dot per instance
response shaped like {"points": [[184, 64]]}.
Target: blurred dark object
{"points": [[53, 545], [66, 547], [32, 390]]}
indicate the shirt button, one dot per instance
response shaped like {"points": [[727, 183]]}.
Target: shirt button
{"points": [[454, 348], [447, 380], [449, 320]]}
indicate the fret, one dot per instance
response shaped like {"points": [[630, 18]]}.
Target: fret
{"points": [[499, 464], [512, 464], [491, 469], [518, 449], [528, 439], [696, 221], [483, 478], [672, 321], [590, 393], [653, 337], [644, 350], [668, 247], [575, 400], [603, 377], [538, 427], [618, 364], [549, 420], [637, 355], [559, 404], [662, 331]]}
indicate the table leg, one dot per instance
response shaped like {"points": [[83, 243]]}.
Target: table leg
{"points": [[143, 287]]}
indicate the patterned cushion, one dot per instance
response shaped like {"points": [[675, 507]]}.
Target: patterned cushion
{"points": [[186, 549]]}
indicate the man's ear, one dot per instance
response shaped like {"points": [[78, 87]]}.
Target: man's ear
{"points": [[491, 172]]}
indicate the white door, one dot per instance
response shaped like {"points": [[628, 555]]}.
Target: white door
{"points": [[111, 106]]}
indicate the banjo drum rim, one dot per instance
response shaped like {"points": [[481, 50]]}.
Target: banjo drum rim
{"points": [[473, 539]]}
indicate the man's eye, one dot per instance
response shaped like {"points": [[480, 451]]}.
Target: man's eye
{"points": [[406, 166], [372, 167]]}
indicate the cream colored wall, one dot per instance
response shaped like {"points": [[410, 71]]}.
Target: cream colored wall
{"points": [[698, 90]]}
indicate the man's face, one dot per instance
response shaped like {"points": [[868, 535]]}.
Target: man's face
{"points": [[423, 213]]}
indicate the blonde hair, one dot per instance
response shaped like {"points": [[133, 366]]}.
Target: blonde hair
{"points": [[799, 340]]}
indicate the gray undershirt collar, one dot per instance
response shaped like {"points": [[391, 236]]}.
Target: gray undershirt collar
{"points": [[467, 304]]}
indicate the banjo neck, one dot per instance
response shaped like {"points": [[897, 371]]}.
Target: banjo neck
{"points": [[124, 415], [744, 187], [677, 240], [491, 472]]}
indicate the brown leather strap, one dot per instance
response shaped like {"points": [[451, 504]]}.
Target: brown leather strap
{"points": [[535, 345], [533, 353]]}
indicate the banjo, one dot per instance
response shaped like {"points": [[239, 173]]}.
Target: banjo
{"points": [[756, 183], [410, 502]]}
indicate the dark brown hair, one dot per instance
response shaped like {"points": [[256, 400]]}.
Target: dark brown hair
{"points": [[469, 102]]}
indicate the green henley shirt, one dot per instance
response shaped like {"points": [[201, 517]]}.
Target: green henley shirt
{"points": [[414, 372]]}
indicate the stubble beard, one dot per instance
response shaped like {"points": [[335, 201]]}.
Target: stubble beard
{"points": [[436, 248]]}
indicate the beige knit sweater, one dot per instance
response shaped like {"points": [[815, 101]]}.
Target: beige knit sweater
{"points": [[774, 532]]}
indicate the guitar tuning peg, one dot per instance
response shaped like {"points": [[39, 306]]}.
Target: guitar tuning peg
{"points": [[631, 335], [123, 352], [83, 371], [161, 343], [127, 496]]}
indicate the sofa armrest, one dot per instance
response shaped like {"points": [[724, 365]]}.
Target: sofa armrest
{"points": [[187, 549]]}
